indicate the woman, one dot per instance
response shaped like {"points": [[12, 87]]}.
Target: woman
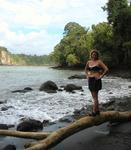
{"points": [[95, 70]]}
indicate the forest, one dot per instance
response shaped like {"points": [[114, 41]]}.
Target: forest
{"points": [[111, 38]]}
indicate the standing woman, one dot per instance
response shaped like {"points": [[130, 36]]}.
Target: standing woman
{"points": [[95, 70]]}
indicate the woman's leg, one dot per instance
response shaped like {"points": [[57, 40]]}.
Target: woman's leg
{"points": [[95, 101]]}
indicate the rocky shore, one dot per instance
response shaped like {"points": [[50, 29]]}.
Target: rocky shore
{"points": [[110, 135], [106, 136]]}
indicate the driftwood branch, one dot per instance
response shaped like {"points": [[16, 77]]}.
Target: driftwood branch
{"points": [[85, 122], [48, 140], [31, 135]]}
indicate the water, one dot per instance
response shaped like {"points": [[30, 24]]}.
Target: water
{"points": [[41, 105]]}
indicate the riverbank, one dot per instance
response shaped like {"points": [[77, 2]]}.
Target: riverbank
{"points": [[113, 87], [122, 71]]}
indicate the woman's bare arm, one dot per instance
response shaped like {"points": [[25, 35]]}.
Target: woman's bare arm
{"points": [[104, 67], [86, 68]]}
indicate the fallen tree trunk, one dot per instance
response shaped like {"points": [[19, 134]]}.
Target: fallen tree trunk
{"points": [[31, 135], [85, 122]]}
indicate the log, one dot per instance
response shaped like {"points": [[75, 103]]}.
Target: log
{"points": [[85, 122], [31, 135]]}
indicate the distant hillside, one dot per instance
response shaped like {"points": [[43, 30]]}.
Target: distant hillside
{"points": [[7, 58]]}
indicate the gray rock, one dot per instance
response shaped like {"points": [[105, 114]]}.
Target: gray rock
{"points": [[77, 77], [49, 87], [4, 126], [10, 147], [30, 125], [72, 87]]}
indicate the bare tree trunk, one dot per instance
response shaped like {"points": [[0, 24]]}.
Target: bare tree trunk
{"points": [[85, 122]]}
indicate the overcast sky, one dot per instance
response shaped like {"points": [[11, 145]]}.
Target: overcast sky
{"points": [[36, 26]]}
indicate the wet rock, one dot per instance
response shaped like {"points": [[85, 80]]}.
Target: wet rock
{"points": [[10, 147], [60, 90], [83, 111], [11, 126], [108, 103], [30, 125], [110, 108], [2, 102], [49, 87], [4, 126], [27, 89], [72, 87], [4, 108], [77, 77], [67, 119], [46, 122], [17, 91], [129, 86], [110, 93]]}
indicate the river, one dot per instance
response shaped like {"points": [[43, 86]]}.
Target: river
{"points": [[41, 105]]}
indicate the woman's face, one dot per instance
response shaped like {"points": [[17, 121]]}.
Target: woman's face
{"points": [[94, 56]]}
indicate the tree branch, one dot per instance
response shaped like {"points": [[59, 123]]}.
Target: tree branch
{"points": [[31, 135], [85, 122]]}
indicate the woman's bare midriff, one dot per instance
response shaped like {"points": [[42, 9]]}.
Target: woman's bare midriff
{"points": [[93, 74]]}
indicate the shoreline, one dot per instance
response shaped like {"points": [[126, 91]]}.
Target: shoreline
{"points": [[92, 137]]}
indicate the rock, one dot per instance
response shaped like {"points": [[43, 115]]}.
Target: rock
{"points": [[46, 122], [110, 93], [129, 86], [49, 87], [111, 102], [30, 125], [4, 108], [9, 147], [72, 87], [4, 126], [18, 91], [2, 102], [110, 108], [67, 119], [26, 89], [60, 90], [77, 77]]}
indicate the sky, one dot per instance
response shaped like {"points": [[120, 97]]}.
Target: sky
{"points": [[36, 26]]}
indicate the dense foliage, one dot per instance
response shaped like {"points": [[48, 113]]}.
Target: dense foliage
{"points": [[31, 60], [112, 38]]}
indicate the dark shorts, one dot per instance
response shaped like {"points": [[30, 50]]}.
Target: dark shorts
{"points": [[94, 84]]}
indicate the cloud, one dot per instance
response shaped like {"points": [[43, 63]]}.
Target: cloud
{"points": [[36, 26]]}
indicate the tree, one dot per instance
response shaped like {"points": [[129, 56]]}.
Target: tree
{"points": [[122, 34], [73, 45], [113, 7], [103, 38]]}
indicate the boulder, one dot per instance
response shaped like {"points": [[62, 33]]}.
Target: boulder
{"points": [[27, 89], [30, 125], [49, 87], [10, 147], [72, 87], [77, 77], [4, 126]]}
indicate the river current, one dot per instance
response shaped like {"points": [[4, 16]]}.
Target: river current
{"points": [[41, 105]]}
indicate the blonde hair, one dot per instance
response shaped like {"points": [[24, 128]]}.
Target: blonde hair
{"points": [[94, 51]]}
